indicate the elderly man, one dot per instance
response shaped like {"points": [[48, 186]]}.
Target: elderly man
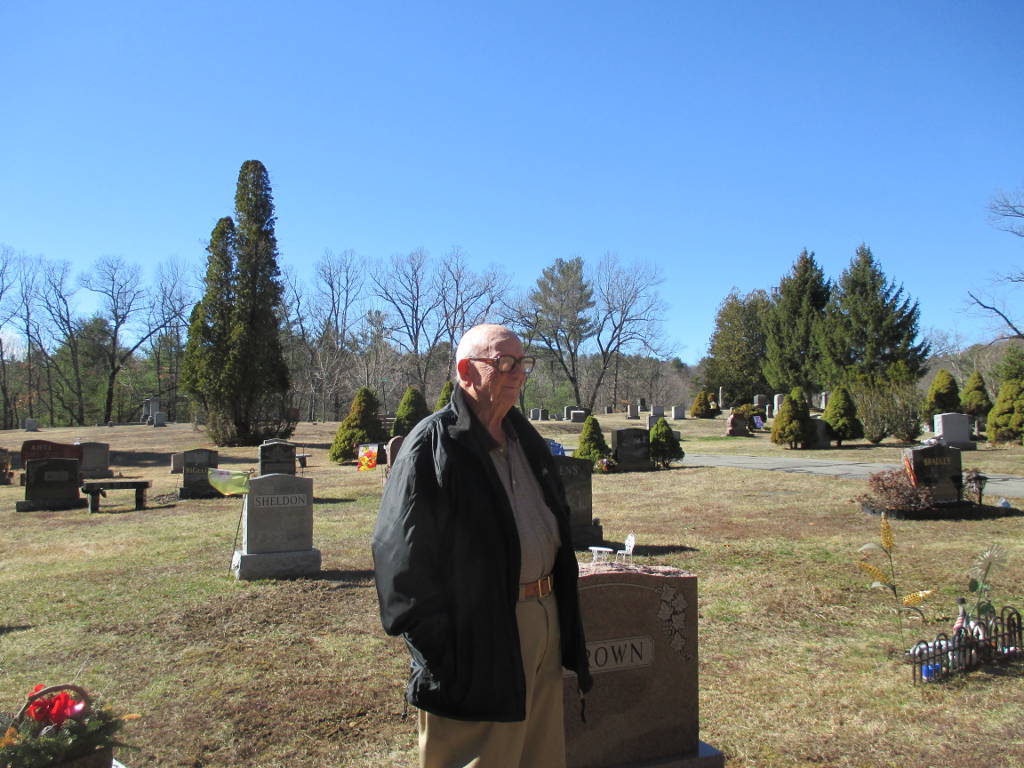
{"points": [[476, 570]]}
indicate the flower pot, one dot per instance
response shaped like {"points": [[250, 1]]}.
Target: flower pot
{"points": [[101, 758]]}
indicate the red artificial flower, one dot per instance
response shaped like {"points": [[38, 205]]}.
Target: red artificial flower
{"points": [[54, 710], [39, 709]]}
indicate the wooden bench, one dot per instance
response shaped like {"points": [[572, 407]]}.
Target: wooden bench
{"points": [[96, 488]]}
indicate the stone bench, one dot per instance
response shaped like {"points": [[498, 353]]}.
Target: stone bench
{"points": [[96, 488]]}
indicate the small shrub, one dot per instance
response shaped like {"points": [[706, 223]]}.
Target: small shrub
{"points": [[701, 408], [943, 396], [841, 416], [787, 429], [445, 396], [592, 444], [664, 445], [974, 400], [411, 410], [362, 425], [892, 490], [1006, 419]]}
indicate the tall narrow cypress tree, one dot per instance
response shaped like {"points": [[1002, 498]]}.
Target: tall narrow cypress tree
{"points": [[797, 306]]}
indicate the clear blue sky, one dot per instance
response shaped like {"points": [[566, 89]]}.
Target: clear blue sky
{"points": [[715, 140]]}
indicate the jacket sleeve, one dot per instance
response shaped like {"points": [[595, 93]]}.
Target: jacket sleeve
{"points": [[408, 555]]}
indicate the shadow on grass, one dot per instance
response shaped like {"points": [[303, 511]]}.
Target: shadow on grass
{"points": [[348, 579], [330, 500], [4, 630]]}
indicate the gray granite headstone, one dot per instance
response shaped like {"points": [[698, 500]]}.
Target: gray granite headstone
{"points": [[678, 412], [277, 457], [641, 404], [632, 449], [642, 647], [777, 402], [95, 460], [535, 414], [937, 467], [954, 429], [146, 413], [632, 411], [658, 410], [277, 529], [578, 416], [567, 411], [609, 409], [721, 398], [159, 419], [760, 401], [652, 420], [195, 483], [544, 414], [177, 463], [31, 425], [577, 476], [51, 484], [821, 434]]}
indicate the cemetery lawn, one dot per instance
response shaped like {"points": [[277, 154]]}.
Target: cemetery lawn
{"points": [[798, 658]]}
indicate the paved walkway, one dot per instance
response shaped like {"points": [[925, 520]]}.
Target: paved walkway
{"points": [[1009, 486]]}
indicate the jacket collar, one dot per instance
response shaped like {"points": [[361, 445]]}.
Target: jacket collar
{"points": [[467, 425]]}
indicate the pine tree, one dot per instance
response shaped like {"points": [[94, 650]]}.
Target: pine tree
{"points": [[974, 400], [1005, 422], [943, 396], [411, 410], [841, 416], [362, 425], [664, 445], [737, 347], [592, 445], [1011, 366], [797, 306], [445, 396], [234, 364], [868, 326]]}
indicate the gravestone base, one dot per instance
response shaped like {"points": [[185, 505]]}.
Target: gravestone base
{"points": [[191, 493], [35, 506], [706, 756], [275, 565], [587, 536]]}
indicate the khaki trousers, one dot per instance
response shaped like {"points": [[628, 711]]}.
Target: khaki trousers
{"points": [[536, 742]]}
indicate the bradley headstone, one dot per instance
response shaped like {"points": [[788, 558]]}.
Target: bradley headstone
{"points": [[195, 483], [576, 476], [632, 449], [277, 529], [642, 647], [277, 457], [937, 467], [51, 484]]}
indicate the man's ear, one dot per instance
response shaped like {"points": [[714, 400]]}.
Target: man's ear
{"points": [[463, 368]]}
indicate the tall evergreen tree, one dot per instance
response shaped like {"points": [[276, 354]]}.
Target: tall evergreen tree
{"points": [[974, 399], [411, 409], [235, 365], [797, 306], [869, 325], [737, 348], [1006, 419]]}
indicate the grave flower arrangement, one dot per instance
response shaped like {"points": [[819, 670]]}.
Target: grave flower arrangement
{"points": [[58, 726]]}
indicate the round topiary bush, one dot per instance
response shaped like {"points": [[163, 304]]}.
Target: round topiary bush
{"points": [[974, 400], [362, 425], [592, 444], [943, 395], [841, 416], [788, 427], [664, 445], [701, 408], [411, 409]]}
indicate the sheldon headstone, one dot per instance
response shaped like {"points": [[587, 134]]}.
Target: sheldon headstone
{"points": [[51, 484], [195, 483], [938, 467], [277, 457], [95, 460], [277, 529], [642, 647], [632, 449], [577, 477]]}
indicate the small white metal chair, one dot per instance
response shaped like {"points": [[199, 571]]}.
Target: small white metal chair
{"points": [[627, 553]]}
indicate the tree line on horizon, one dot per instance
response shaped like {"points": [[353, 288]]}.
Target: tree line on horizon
{"points": [[253, 348]]}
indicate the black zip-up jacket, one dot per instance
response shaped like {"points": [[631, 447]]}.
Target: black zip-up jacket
{"points": [[446, 557]]}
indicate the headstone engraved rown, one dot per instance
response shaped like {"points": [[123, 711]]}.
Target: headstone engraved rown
{"points": [[577, 476], [641, 624], [195, 483], [632, 449], [51, 484], [277, 529]]}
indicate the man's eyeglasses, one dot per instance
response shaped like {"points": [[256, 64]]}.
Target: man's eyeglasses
{"points": [[507, 363]]}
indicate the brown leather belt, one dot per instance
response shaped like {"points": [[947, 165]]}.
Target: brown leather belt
{"points": [[542, 587]]}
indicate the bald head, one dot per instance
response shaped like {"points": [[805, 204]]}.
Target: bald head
{"points": [[480, 341]]}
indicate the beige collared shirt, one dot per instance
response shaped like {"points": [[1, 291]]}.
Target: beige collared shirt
{"points": [[538, 530]]}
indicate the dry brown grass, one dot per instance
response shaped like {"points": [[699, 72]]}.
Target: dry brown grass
{"points": [[797, 662]]}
